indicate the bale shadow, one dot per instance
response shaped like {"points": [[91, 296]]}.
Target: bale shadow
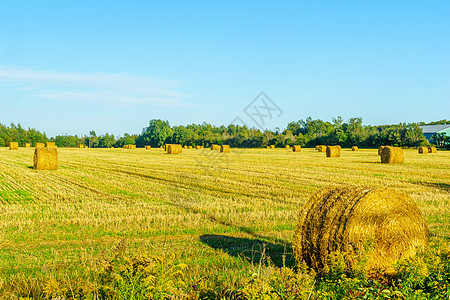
{"points": [[253, 250]]}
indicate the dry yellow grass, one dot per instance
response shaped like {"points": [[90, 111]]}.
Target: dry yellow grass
{"points": [[161, 204], [27, 145]]}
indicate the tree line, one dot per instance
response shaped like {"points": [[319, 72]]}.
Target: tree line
{"points": [[306, 133]]}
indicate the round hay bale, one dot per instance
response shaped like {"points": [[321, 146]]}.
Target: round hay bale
{"points": [[355, 148], [225, 148], [13, 146], [380, 225], [392, 155], [81, 146], [148, 147], [45, 158], [317, 147], [333, 151], [339, 146], [189, 147], [432, 149], [185, 147], [423, 150], [215, 147], [198, 147], [174, 149], [287, 147], [380, 149], [322, 148], [296, 148], [272, 146]]}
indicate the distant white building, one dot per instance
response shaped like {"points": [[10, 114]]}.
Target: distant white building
{"points": [[430, 130]]}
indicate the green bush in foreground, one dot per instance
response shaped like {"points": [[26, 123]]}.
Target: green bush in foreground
{"points": [[425, 276]]}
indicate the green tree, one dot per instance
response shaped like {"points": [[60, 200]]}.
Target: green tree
{"points": [[156, 134]]}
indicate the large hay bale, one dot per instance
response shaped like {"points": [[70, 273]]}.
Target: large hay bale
{"points": [[380, 149], [317, 147], [174, 148], [432, 149], [322, 148], [13, 146], [272, 146], [423, 150], [392, 155], [215, 147], [148, 147], [27, 145], [296, 148], [355, 148], [339, 146], [189, 147], [51, 145], [225, 148], [198, 147], [39, 145], [333, 151], [382, 224], [185, 147], [86, 146], [287, 147], [46, 158], [81, 146]]}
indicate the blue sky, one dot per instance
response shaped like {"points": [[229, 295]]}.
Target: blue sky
{"points": [[68, 67]]}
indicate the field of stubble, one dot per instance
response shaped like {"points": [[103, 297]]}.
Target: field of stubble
{"points": [[217, 213]]}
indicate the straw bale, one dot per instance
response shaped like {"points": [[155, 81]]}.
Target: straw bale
{"points": [[322, 148], [355, 148], [46, 158], [185, 147], [272, 146], [432, 149], [51, 145], [381, 225], [174, 148], [86, 146], [215, 147], [392, 155], [27, 145], [80, 146], [225, 148], [380, 149], [198, 147], [339, 146], [423, 150], [39, 145], [189, 147], [148, 147], [317, 147], [13, 146], [296, 148], [333, 151], [287, 147]]}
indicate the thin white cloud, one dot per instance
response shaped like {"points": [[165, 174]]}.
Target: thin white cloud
{"points": [[94, 87]]}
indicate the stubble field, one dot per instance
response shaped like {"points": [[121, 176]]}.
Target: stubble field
{"points": [[220, 214]]}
